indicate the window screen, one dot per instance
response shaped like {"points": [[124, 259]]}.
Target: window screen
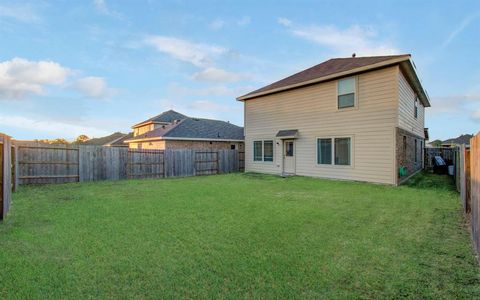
{"points": [[346, 92], [324, 151], [342, 151]]}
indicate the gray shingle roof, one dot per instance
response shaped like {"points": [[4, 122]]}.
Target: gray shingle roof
{"points": [[104, 140], [166, 117], [120, 141], [329, 67], [287, 133], [462, 139], [205, 129], [195, 128]]}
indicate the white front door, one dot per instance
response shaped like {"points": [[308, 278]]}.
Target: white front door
{"points": [[289, 156]]}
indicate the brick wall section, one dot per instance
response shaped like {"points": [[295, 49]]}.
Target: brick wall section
{"points": [[204, 145], [406, 155]]}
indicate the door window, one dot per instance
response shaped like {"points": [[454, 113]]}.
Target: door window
{"points": [[288, 148]]}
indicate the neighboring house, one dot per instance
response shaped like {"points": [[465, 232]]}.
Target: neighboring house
{"points": [[173, 130], [358, 118], [119, 142], [103, 141], [463, 139]]}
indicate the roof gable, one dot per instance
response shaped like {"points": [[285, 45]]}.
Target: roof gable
{"points": [[194, 128], [166, 117], [329, 67]]}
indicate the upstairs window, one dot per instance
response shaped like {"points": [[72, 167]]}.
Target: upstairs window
{"points": [[346, 92], [415, 108]]}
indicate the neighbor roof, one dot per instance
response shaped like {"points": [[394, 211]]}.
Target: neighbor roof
{"points": [[460, 140], [119, 142], [104, 140], [334, 68], [166, 117], [194, 129]]}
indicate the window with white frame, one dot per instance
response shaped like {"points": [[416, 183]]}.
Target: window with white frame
{"points": [[346, 92], [267, 150], [415, 108], [263, 150], [324, 151], [257, 151], [336, 151]]}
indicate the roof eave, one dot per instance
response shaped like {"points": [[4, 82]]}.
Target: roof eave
{"points": [[417, 84], [384, 63], [182, 139]]}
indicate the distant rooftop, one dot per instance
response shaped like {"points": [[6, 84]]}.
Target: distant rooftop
{"points": [[192, 128]]}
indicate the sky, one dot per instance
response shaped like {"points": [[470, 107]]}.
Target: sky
{"points": [[95, 67]]}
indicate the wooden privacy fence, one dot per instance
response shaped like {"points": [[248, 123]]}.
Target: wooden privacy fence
{"points": [[467, 178], [7, 174], [61, 164]]}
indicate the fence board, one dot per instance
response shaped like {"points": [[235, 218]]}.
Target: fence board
{"points": [[475, 189], [6, 182]]}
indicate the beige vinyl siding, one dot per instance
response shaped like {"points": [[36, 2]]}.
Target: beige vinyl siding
{"points": [[313, 111], [406, 99], [153, 145], [143, 129]]}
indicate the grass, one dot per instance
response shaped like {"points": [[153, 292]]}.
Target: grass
{"points": [[238, 236]]}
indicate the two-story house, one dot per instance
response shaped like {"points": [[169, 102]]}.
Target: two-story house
{"points": [[356, 118], [173, 130]]}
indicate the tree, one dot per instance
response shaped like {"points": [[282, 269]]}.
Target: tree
{"points": [[81, 139], [59, 142]]}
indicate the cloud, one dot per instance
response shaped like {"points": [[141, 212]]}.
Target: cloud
{"points": [[467, 105], [475, 116], [60, 129], [102, 8], [200, 55], [354, 39], [202, 108], [284, 21], [244, 21], [179, 90], [217, 24], [216, 74], [22, 13], [461, 27], [20, 77], [93, 87], [209, 106]]}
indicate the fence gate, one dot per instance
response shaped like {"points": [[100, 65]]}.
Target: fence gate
{"points": [[47, 164], [145, 163], [448, 154], [241, 161], [206, 162]]}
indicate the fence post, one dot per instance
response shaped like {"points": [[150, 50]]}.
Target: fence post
{"points": [[14, 168]]}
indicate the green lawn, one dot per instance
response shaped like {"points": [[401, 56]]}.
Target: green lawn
{"points": [[238, 236]]}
